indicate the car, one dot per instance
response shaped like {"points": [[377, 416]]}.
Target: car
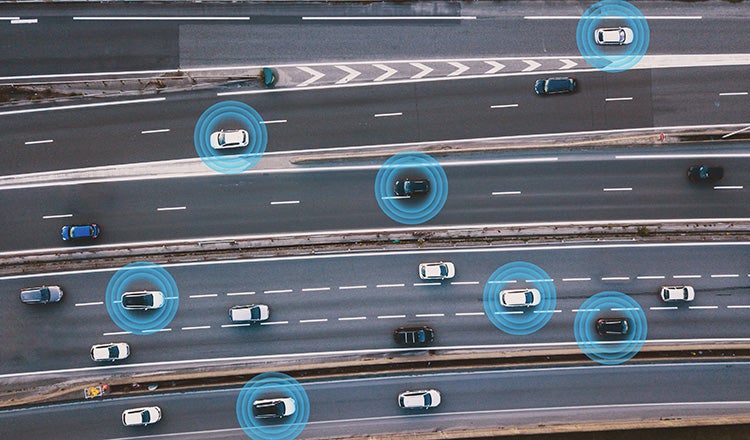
{"points": [[437, 271], [520, 297], [612, 326], [113, 351], [74, 232], [229, 139], [414, 335], [141, 416], [408, 187], [143, 300], [250, 313], [613, 36], [41, 295], [705, 173], [677, 293], [552, 86], [274, 408], [423, 399]]}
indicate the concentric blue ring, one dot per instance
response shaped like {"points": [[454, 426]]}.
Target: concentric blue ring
{"points": [[519, 320], [613, 13], [412, 165], [142, 276], [230, 115], [271, 385], [610, 304]]}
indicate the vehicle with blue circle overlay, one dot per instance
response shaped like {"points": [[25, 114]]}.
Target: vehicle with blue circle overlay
{"points": [[272, 387]]}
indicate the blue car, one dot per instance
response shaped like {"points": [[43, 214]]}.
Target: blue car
{"points": [[72, 232], [551, 86]]}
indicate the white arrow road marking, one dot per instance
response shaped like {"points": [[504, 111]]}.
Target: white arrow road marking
{"points": [[388, 72], [496, 67], [460, 68], [425, 70], [315, 76], [351, 74], [532, 65], [568, 64]]}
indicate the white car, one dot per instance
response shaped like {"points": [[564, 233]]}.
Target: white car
{"points": [[251, 313], [274, 408], [677, 293], [613, 36], [141, 416], [520, 297], [114, 351], [437, 271], [142, 300], [229, 139], [419, 399]]}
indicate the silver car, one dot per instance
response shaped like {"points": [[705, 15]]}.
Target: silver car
{"points": [[229, 139], [41, 295]]}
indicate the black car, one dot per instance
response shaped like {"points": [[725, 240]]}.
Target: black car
{"points": [[551, 86], [408, 187], [704, 173], [414, 335], [612, 326]]}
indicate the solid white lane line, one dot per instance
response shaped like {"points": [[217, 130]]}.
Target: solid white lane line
{"points": [[304, 321], [703, 307], [577, 279], [470, 314], [685, 276], [160, 130], [353, 318], [240, 293], [650, 277], [274, 323], [352, 287], [726, 275], [385, 115], [733, 94], [46, 141], [617, 189], [663, 308], [584, 310], [24, 21], [77, 106], [46, 217], [728, 187], [505, 193], [429, 315], [426, 284], [279, 291], [504, 106], [278, 121], [615, 278], [315, 289], [391, 316], [197, 327], [97, 303], [154, 18], [624, 309], [115, 333], [389, 285], [286, 202], [386, 18], [739, 307], [235, 325], [629, 98], [172, 208], [464, 283], [205, 295]]}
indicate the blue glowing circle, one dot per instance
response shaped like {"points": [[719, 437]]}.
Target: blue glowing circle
{"points": [[613, 350], [230, 115], [613, 13], [519, 320], [270, 385], [142, 276], [411, 165]]}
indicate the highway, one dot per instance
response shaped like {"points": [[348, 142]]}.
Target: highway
{"points": [[476, 399], [349, 302]]}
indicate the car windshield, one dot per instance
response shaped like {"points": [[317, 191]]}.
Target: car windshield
{"points": [[427, 399], [529, 297], [146, 416], [221, 137], [420, 336], [255, 312], [44, 294], [113, 351], [443, 271]]}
